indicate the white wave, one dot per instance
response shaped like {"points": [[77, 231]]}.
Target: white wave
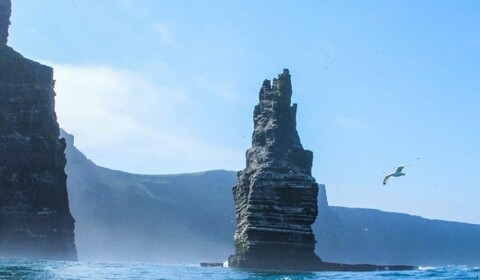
{"points": [[426, 267]]}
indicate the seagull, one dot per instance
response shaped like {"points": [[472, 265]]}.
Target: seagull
{"points": [[397, 173]]}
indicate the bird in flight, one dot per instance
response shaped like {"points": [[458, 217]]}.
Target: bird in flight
{"points": [[397, 173]]}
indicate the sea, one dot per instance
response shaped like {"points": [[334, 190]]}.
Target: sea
{"points": [[46, 270]]}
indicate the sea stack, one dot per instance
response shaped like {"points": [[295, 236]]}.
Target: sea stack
{"points": [[276, 195], [35, 220]]}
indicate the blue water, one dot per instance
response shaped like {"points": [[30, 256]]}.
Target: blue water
{"points": [[46, 270]]}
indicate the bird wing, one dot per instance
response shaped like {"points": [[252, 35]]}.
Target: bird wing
{"points": [[400, 168], [386, 178]]}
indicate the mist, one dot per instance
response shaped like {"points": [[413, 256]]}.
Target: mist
{"points": [[149, 218]]}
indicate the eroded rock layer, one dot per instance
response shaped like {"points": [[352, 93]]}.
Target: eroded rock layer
{"points": [[275, 196], [35, 219]]}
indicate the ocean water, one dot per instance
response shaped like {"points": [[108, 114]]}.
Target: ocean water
{"points": [[46, 270]]}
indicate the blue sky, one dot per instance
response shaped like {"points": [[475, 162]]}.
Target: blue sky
{"points": [[169, 87]]}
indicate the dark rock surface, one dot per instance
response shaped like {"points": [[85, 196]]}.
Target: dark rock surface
{"points": [[5, 11], [276, 195], [204, 264], [35, 220]]}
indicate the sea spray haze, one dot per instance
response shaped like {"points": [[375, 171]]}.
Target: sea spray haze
{"points": [[154, 218]]}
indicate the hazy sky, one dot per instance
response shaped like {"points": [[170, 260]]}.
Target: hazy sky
{"points": [[169, 87]]}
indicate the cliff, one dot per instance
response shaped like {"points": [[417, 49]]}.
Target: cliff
{"points": [[156, 218], [355, 235], [35, 220], [191, 218]]}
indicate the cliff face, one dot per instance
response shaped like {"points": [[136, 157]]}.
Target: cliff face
{"points": [[154, 218], [35, 219], [371, 236], [275, 196]]}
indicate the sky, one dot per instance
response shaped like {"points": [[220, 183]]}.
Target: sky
{"points": [[161, 87]]}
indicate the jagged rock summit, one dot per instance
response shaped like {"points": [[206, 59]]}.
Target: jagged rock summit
{"points": [[5, 11], [35, 220], [276, 195]]}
